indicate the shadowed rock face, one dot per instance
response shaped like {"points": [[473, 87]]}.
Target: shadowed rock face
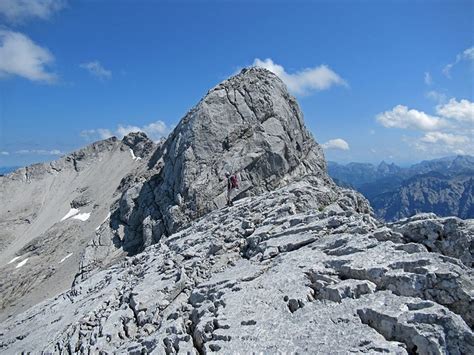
{"points": [[297, 264]]}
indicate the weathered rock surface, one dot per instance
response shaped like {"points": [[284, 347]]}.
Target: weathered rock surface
{"points": [[450, 236], [300, 282], [297, 265], [249, 125]]}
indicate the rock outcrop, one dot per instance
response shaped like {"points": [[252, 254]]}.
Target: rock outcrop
{"points": [[449, 236], [248, 125], [297, 265]]}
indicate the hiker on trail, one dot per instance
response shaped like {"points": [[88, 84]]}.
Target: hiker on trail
{"points": [[231, 185]]}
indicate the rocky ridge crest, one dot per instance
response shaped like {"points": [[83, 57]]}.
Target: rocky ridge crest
{"points": [[296, 265]]}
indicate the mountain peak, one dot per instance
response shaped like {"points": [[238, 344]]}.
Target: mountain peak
{"points": [[249, 125]]}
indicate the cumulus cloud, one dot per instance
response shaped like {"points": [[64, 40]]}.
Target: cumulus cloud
{"points": [[19, 10], [428, 78], [440, 143], [451, 131], [40, 151], [154, 131], [337, 143], [446, 138], [462, 110], [96, 69], [304, 81], [20, 56], [401, 117], [466, 55]]}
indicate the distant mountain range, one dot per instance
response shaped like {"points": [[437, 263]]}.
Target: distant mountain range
{"points": [[444, 186]]}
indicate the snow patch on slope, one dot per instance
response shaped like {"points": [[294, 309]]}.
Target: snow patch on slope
{"points": [[21, 263], [14, 259], [134, 157], [72, 212], [82, 216], [67, 256]]}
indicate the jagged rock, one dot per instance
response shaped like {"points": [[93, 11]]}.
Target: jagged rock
{"points": [[297, 264], [450, 236], [182, 299], [139, 143], [248, 125]]}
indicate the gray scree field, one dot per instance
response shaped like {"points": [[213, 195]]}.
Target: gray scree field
{"points": [[128, 247]]}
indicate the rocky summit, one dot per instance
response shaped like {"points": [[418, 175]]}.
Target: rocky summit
{"points": [[159, 264]]}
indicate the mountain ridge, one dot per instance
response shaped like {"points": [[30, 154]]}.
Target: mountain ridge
{"points": [[296, 264]]}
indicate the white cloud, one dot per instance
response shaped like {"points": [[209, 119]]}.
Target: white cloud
{"points": [[4, 153], [124, 130], [19, 10], [401, 117], [446, 138], [337, 143], [466, 55], [20, 56], [304, 81], [104, 133], [428, 78], [462, 110], [436, 96], [97, 70], [93, 134], [40, 151], [442, 144], [154, 131], [451, 131]]}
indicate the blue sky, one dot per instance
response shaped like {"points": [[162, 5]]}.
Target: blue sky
{"points": [[376, 80]]}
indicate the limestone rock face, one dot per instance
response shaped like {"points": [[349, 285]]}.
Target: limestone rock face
{"points": [[450, 236], [297, 265], [248, 125]]}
